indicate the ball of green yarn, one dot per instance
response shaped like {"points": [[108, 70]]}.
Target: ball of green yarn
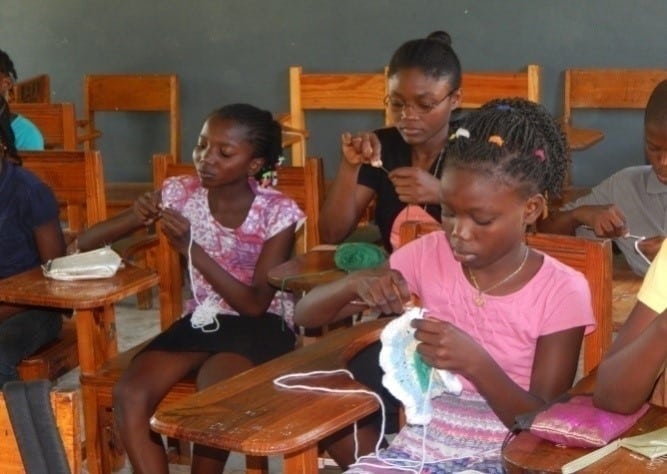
{"points": [[353, 256]]}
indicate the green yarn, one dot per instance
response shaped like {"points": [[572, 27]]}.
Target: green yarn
{"points": [[423, 371], [353, 256]]}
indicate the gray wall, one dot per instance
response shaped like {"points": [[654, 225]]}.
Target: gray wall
{"points": [[240, 50]]}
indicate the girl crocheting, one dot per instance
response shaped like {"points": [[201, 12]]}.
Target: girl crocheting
{"points": [[232, 232], [507, 320]]}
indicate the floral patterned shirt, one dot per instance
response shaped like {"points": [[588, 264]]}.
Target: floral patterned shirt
{"points": [[235, 250]]}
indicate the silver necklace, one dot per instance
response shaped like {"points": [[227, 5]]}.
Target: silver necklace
{"points": [[479, 298]]}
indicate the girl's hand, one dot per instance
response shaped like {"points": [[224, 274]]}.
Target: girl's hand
{"points": [[605, 220], [414, 185], [177, 229], [362, 148], [444, 346], [147, 207], [382, 289], [651, 245]]}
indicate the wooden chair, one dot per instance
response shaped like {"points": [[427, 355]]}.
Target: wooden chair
{"points": [[56, 122], [66, 406], [330, 91], [32, 90], [590, 257], [481, 87], [77, 180], [604, 89], [303, 184], [105, 93]]}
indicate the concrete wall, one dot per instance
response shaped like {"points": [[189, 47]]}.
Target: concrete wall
{"points": [[240, 50]]}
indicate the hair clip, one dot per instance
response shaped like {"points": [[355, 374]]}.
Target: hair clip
{"points": [[460, 132], [539, 153], [497, 140], [503, 107]]}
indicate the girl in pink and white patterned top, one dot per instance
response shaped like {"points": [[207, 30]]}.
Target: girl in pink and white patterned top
{"points": [[232, 231]]}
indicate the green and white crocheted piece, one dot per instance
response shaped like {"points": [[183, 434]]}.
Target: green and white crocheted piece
{"points": [[406, 375]]}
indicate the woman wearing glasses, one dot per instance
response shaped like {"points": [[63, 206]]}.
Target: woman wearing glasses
{"points": [[399, 165]]}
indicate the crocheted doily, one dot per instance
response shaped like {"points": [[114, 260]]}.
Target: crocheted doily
{"points": [[407, 376]]}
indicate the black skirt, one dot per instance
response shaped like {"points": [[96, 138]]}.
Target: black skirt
{"points": [[259, 339]]}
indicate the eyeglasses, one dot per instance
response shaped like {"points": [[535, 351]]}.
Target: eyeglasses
{"points": [[397, 106]]}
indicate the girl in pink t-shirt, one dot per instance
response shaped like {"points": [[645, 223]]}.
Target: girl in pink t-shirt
{"points": [[507, 320], [231, 231]]}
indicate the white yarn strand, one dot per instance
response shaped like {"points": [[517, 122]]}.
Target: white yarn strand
{"points": [[205, 313]]}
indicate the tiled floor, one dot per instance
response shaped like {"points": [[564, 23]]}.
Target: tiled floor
{"points": [[134, 326]]}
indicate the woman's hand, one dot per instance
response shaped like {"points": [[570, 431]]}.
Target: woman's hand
{"points": [[361, 148], [147, 207], [444, 346], [383, 289], [177, 229], [415, 186]]}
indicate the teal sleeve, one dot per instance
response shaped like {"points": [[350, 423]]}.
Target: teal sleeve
{"points": [[27, 135]]}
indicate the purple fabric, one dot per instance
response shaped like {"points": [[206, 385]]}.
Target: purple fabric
{"points": [[577, 423]]}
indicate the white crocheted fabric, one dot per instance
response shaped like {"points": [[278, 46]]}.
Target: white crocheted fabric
{"points": [[407, 376]]}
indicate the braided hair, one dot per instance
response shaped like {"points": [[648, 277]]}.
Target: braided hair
{"points": [[6, 65], [263, 132], [515, 140], [432, 55], [7, 139]]}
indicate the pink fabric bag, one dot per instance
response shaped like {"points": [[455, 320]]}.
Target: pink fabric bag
{"points": [[577, 423]]}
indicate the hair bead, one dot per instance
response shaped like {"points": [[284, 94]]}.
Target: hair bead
{"points": [[496, 140]]}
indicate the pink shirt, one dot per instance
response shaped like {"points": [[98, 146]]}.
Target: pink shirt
{"points": [[235, 250], [556, 298]]}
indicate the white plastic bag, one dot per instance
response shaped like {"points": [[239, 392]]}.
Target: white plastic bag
{"points": [[99, 263]]}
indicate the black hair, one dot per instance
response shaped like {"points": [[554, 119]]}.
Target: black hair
{"points": [[433, 55], [264, 132], [6, 65], [516, 141], [7, 139], [656, 108]]}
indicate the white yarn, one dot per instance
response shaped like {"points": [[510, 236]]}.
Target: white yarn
{"points": [[205, 313], [280, 382], [395, 464]]}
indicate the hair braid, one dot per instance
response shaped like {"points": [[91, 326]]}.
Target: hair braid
{"points": [[527, 145]]}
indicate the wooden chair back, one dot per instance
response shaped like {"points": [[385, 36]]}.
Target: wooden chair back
{"points": [[66, 406], [32, 90], [56, 122], [604, 89], [331, 91], [304, 184], [481, 87], [77, 180], [590, 257], [133, 93]]}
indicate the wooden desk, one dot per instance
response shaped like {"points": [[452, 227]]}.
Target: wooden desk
{"points": [[235, 414], [581, 138], [528, 453], [93, 302], [306, 271]]}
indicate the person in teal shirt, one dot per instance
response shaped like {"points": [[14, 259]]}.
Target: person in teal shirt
{"points": [[26, 134]]}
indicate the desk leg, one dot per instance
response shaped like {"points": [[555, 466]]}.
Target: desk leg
{"points": [[96, 334], [301, 462], [256, 464]]}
